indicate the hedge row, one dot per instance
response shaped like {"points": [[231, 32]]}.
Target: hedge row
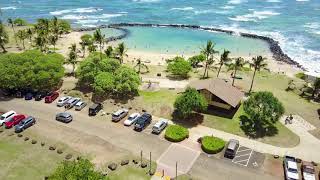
{"points": [[176, 133], [212, 145]]}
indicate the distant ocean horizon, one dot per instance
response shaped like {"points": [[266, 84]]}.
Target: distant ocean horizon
{"points": [[295, 24]]}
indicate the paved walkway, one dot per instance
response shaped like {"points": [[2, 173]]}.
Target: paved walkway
{"points": [[167, 83], [308, 149]]}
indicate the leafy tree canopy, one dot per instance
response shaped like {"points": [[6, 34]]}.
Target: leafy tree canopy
{"points": [[127, 79], [20, 22], [195, 60], [104, 82], [178, 66], [31, 69], [191, 100]]}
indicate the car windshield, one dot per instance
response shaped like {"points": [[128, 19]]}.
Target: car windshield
{"points": [[292, 170], [2, 117], [131, 118], [309, 170]]}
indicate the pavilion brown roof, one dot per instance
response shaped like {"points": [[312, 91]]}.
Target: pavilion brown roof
{"points": [[221, 89]]}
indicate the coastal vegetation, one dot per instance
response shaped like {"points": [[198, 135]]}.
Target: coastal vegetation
{"points": [[257, 63], [236, 66], [209, 52], [179, 67], [4, 38]]}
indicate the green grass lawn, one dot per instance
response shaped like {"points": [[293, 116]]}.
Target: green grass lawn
{"points": [[22, 160], [129, 173]]}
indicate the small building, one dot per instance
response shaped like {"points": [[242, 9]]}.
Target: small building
{"points": [[219, 94]]}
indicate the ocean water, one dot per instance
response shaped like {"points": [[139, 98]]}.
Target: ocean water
{"points": [[294, 23]]}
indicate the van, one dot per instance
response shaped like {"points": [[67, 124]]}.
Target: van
{"points": [[7, 117], [51, 97], [94, 109], [159, 126], [232, 148]]}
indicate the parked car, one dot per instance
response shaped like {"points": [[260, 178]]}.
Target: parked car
{"points": [[51, 97], [64, 117], [308, 171], [159, 126], [290, 168], [142, 122], [40, 95], [7, 117], [28, 96], [63, 100], [94, 109], [80, 105], [131, 119], [231, 149], [71, 102], [14, 121], [120, 114], [24, 124]]}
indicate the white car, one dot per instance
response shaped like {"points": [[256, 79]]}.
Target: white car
{"points": [[80, 105], [308, 171], [131, 119], [159, 126], [7, 117], [61, 102], [290, 168]]}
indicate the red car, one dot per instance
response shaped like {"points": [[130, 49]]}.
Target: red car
{"points": [[14, 121], [51, 97]]}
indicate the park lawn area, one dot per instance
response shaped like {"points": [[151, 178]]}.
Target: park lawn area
{"points": [[129, 173], [22, 160]]}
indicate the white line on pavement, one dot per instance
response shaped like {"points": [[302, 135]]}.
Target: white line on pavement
{"points": [[249, 158]]}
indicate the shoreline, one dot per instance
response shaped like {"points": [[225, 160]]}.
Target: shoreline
{"points": [[274, 47]]}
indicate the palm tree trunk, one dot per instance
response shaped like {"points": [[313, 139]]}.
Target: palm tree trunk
{"points": [[54, 47], [100, 51], [234, 76], [84, 52], [3, 49], [219, 70], [23, 44], [254, 74]]}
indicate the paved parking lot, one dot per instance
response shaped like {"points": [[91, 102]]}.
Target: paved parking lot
{"points": [[248, 158]]}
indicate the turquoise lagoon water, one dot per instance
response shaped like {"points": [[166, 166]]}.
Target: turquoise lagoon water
{"points": [[187, 41], [294, 23]]}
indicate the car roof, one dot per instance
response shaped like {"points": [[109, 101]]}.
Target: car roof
{"points": [[79, 103], [292, 165], [119, 112], [64, 114], [134, 114], [7, 113], [232, 143], [93, 106], [160, 122]]}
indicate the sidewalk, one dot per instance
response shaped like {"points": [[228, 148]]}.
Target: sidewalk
{"points": [[167, 83]]}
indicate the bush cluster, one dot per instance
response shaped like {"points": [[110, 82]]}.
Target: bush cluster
{"points": [[212, 145], [176, 133]]}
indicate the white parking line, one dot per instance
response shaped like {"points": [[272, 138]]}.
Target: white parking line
{"points": [[242, 155], [243, 150], [244, 160], [249, 158]]}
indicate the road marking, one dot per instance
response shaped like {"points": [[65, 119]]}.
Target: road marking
{"points": [[249, 158], [242, 155], [243, 150], [241, 161]]}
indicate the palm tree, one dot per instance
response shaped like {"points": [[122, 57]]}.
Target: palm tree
{"points": [[86, 40], [29, 34], [208, 51], [141, 65], [257, 63], [72, 57], [92, 48], [100, 39], [53, 41], [121, 51], [109, 51], [22, 35], [11, 23], [224, 59], [237, 65], [55, 26], [4, 38]]}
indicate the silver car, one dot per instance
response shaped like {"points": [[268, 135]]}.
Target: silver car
{"points": [[64, 117], [63, 100], [80, 105], [72, 102], [159, 126]]}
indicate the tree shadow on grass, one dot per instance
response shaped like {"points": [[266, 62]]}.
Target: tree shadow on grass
{"points": [[253, 130], [191, 121]]}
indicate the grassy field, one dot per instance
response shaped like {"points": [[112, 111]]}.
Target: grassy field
{"points": [[130, 172]]}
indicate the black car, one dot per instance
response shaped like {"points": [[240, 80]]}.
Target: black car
{"points": [[40, 95], [142, 122], [28, 96], [24, 124], [94, 109]]}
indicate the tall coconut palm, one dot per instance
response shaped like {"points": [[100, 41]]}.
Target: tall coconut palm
{"points": [[55, 26], [99, 38], [121, 51], [140, 65], [53, 41], [224, 59], [208, 51], [4, 38], [109, 51], [257, 63], [29, 34], [235, 66], [86, 40], [11, 23], [22, 35], [72, 57]]}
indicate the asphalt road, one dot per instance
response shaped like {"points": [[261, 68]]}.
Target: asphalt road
{"points": [[99, 136]]}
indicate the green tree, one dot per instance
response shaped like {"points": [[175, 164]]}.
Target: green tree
{"points": [[99, 38], [121, 51], [10, 23], [82, 169], [235, 67], [53, 41], [64, 27], [191, 100], [140, 65], [209, 52], [104, 83], [4, 38], [72, 57], [178, 66], [92, 48], [224, 59], [109, 51], [55, 28], [195, 60], [257, 63], [264, 110], [29, 33], [20, 22], [22, 35], [127, 81], [86, 40], [316, 87]]}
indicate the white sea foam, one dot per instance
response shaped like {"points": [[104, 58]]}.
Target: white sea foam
{"points": [[9, 8], [146, 1], [274, 1], [302, 0], [236, 1], [227, 7], [313, 27], [254, 16], [182, 9], [204, 11], [88, 17], [77, 10]]}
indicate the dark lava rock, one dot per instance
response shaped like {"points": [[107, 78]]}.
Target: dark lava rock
{"points": [[112, 166]]}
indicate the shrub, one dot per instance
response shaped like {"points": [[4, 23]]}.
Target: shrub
{"points": [[300, 75], [75, 93], [176, 133], [212, 145]]}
